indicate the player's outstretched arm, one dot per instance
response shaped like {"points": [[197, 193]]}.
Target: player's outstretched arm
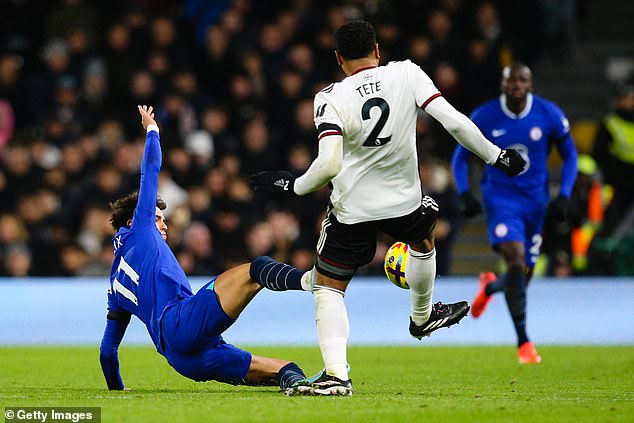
{"points": [[147, 116], [109, 352], [144, 214], [467, 134]]}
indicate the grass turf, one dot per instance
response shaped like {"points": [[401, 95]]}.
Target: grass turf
{"points": [[392, 384]]}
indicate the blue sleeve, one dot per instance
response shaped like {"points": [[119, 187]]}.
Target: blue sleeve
{"points": [[559, 122], [145, 212], [109, 353], [568, 153], [460, 168]]}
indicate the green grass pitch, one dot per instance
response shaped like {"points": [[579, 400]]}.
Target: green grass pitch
{"points": [[392, 384]]}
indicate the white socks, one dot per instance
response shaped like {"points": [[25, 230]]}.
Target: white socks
{"points": [[307, 280], [333, 330], [420, 274]]}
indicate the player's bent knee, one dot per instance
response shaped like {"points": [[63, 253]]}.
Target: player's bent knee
{"points": [[424, 246], [339, 283], [517, 267]]}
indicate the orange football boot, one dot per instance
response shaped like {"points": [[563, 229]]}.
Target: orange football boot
{"points": [[481, 299], [528, 354]]}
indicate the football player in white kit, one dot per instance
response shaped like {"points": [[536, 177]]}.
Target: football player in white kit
{"points": [[367, 150]]}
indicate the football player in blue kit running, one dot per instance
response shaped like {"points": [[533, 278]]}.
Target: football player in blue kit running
{"points": [[147, 281], [515, 208]]}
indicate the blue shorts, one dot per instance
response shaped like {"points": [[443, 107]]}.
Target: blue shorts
{"points": [[191, 332], [506, 224]]}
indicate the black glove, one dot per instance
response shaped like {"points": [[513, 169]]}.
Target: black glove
{"points": [[279, 181], [510, 162], [559, 208], [469, 205]]}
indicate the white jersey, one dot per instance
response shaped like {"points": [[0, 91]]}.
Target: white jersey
{"points": [[375, 110]]}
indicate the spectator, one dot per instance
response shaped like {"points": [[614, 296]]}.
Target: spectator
{"points": [[198, 241], [17, 261], [73, 260], [215, 120], [613, 151], [437, 183], [42, 84], [12, 87], [589, 196], [120, 61], [102, 264], [7, 122], [234, 82], [14, 244], [258, 152]]}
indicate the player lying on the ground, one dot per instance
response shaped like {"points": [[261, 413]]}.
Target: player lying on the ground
{"points": [[146, 280]]}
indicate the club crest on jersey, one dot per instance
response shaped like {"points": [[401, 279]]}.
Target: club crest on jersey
{"points": [[536, 133], [501, 230]]}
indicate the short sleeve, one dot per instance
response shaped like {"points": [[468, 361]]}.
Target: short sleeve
{"points": [[327, 120], [324, 111]]}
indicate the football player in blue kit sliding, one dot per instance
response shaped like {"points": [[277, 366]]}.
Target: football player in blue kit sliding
{"points": [[147, 281], [515, 208]]}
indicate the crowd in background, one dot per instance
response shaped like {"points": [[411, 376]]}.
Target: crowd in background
{"points": [[232, 83]]}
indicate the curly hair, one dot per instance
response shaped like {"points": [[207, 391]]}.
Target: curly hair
{"points": [[123, 209], [355, 39]]}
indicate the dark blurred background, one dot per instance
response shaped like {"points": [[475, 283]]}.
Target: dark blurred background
{"points": [[232, 82]]}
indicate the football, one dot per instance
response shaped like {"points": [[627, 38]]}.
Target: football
{"points": [[395, 262]]}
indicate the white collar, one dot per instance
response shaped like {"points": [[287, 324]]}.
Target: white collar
{"points": [[520, 115]]}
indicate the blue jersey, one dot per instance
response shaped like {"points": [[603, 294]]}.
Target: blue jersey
{"points": [[146, 278], [533, 133]]}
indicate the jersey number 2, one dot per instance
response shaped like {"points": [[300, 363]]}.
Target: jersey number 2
{"points": [[373, 139]]}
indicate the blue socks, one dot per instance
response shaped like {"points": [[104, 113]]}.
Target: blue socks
{"points": [[274, 275], [514, 287], [497, 286], [288, 375]]}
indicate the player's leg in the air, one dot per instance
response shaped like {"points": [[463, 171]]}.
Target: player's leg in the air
{"points": [[417, 229], [485, 293], [504, 226]]}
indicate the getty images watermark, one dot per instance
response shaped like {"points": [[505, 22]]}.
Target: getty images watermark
{"points": [[52, 414]]}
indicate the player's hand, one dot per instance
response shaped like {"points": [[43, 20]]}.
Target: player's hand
{"points": [[279, 182], [559, 208], [510, 162], [147, 116], [469, 205]]}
